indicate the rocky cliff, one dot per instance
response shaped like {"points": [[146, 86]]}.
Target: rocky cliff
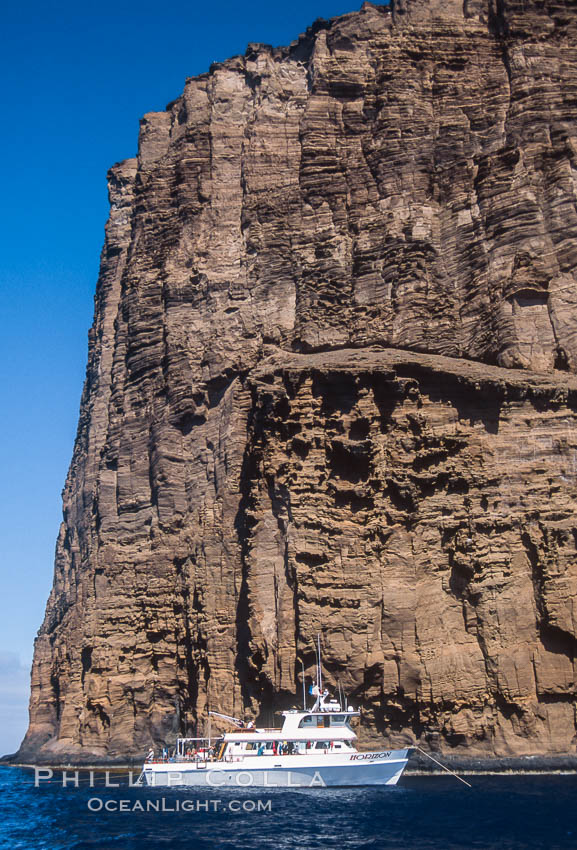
{"points": [[331, 389]]}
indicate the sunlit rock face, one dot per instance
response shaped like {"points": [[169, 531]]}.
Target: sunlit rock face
{"points": [[330, 389]]}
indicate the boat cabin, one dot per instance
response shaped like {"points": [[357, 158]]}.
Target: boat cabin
{"points": [[325, 728]]}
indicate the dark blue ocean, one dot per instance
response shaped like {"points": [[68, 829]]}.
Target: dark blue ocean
{"points": [[429, 813]]}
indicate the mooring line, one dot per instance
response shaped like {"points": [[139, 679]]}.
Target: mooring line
{"points": [[452, 772]]}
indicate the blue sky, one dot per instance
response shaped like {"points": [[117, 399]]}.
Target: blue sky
{"points": [[76, 78]]}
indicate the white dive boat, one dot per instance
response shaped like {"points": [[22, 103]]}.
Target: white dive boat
{"points": [[314, 748]]}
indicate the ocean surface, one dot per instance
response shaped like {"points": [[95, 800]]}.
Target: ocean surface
{"points": [[504, 812]]}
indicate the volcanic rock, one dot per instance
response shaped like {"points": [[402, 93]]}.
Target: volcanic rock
{"points": [[330, 389]]}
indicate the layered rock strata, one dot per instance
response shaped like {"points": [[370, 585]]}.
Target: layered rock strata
{"points": [[301, 413]]}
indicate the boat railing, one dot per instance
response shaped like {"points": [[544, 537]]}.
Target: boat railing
{"points": [[197, 757]]}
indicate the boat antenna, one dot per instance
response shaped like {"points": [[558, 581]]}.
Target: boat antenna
{"points": [[304, 687], [319, 658], [341, 694]]}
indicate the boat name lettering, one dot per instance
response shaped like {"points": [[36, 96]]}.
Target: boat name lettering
{"points": [[357, 756]]}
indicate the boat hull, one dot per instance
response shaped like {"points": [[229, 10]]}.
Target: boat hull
{"points": [[284, 772]]}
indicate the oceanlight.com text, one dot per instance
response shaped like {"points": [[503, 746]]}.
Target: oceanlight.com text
{"points": [[163, 804]]}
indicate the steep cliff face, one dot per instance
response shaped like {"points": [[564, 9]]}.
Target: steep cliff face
{"points": [[257, 459]]}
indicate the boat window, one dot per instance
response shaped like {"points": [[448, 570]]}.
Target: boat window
{"points": [[251, 745], [319, 720], [322, 745], [338, 720]]}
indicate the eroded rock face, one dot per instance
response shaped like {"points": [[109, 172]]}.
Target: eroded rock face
{"points": [[400, 178], [419, 512]]}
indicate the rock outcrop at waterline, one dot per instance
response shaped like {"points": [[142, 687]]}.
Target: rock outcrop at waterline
{"points": [[301, 413]]}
